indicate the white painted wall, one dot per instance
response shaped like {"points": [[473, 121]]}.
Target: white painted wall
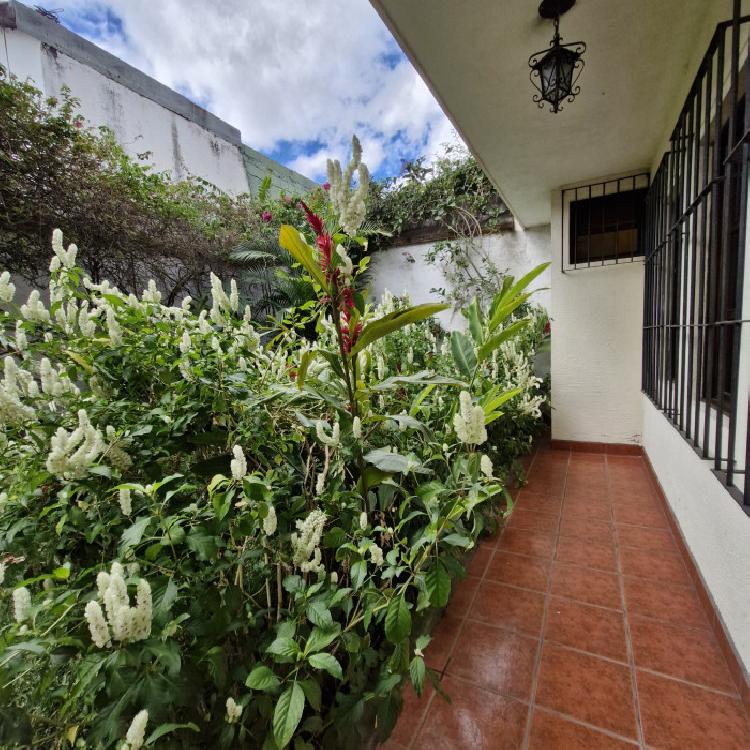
{"points": [[714, 527], [597, 318], [139, 124], [517, 252]]}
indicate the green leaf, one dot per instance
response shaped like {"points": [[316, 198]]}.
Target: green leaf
{"points": [[358, 573], [203, 544], [474, 315], [505, 310], [417, 672], [457, 540], [423, 377], [438, 584], [397, 620], [306, 359], [319, 639], [291, 240], [462, 349], [319, 615], [524, 281], [392, 462], [163, 729], [393, 321], [493, 342], [327, 662], [133, 534], [284, 646], [371, 477], [287, 715], [311, 688], [262, 678]]}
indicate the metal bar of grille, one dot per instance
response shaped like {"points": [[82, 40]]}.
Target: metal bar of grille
{"points": [[693, 239]]}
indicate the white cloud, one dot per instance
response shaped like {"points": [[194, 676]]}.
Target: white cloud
{"points": [[294, 71]]}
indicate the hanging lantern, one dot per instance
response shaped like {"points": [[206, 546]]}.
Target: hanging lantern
{"points": [[555, 71]]}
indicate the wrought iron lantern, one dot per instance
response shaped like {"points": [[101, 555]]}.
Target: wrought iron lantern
{"points": [[555, 71]]}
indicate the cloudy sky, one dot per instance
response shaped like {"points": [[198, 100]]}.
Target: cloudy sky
{"points": [[297, 77]]}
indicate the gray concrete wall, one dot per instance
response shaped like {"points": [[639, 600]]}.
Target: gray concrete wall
{"points": [[144, 115], [404, 268]]}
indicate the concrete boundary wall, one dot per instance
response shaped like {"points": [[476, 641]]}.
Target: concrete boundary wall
{"points": [[144, 115]]}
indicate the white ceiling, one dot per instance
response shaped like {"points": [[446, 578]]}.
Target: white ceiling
{"points": [[640, 60]]}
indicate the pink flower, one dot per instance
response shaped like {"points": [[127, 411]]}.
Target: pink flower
{"points": [[326, 186], [266, 216]]}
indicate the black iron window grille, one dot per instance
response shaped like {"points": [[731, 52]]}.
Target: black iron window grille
{"points": [[695, 366], [602, 222]]}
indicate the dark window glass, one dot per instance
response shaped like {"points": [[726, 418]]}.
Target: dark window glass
{"points": [[606, 227]]}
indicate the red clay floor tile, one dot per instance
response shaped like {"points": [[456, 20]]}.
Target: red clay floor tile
{"points": [[598, 532], [644, 538], [496, 659], [668, 602], [478, 563], [584, 552], [586, 585], [637, 516], [581, 626], [412, 712], [510, 607], [587, 688], [530, 520], [610, 534], [686, 653], [582, 509], [533, 543], [463, 593], [552, 732], [542, 503], [677, 716], [441, 644], [476, 719], [654, 564], [519, 570]]}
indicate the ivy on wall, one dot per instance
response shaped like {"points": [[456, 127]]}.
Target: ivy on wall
{"points": [[436, 202]]}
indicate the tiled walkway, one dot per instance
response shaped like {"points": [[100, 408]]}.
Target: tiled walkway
{"points": [[578, 627]]}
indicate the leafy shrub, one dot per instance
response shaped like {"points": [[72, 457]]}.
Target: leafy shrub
{"points": [[446, 195], [206, 541]]}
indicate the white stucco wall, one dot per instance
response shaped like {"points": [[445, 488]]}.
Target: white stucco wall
{"points": [[139, 124], [597, 317], [714, 527], [516, 251]]}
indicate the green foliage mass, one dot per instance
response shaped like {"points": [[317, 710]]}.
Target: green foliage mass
{"points": [[450, 194], [281, 519]]}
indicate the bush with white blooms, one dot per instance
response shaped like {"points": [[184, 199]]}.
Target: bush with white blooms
{"points": [[213, 537]]}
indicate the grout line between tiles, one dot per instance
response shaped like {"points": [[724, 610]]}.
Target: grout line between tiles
{"points": [[581, 723], [540, 647], [628, 637]]}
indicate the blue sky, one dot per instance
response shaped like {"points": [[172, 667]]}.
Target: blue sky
{"points": [[295, 84]]}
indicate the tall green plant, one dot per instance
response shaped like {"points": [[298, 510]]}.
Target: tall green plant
{"points": [[208, 541]]}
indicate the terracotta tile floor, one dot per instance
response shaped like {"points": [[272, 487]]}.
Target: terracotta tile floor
{"points": [[577, 627]]}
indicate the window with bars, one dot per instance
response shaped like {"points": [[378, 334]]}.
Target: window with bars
{"points": [[603, 222], [694, 235]]}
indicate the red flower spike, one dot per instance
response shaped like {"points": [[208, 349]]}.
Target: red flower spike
{"points": [[312, 219], [326, 250], [346, 301]]}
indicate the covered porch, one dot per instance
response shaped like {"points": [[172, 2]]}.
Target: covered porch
{"points": [[622, 580], [582, 625]]}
